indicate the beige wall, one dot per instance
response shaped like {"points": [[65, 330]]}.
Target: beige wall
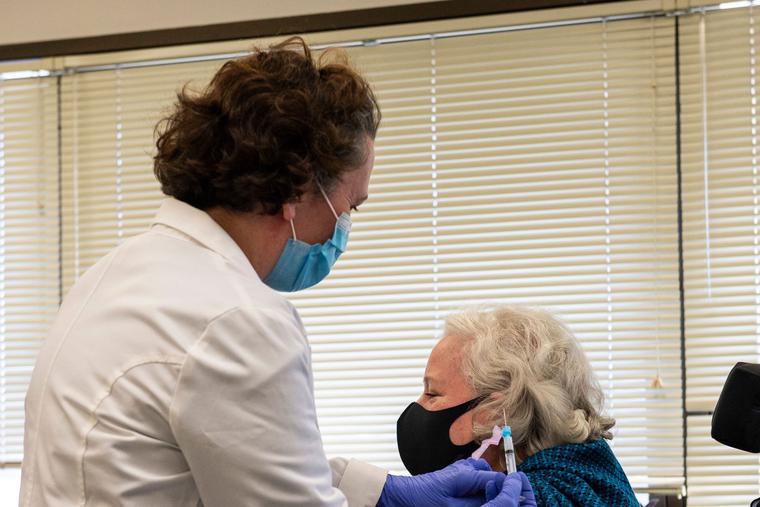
{"points": [[39, 20]]}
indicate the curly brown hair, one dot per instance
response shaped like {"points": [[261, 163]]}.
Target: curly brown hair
{"points": [[266, 128]]}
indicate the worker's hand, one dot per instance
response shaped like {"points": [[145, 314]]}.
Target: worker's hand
{"points": [[513, 490], [461, 484]]}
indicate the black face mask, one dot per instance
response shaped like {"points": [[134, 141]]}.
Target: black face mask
{"points": [[423, 437]]}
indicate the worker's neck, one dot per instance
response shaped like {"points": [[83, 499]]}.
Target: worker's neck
{"points": [[260, 237]]}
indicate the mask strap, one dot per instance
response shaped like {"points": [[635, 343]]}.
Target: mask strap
{"points": [[293, 227], [328, 200]]}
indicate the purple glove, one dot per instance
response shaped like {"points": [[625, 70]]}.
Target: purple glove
{"points": [[460, 484], [515, 492]]}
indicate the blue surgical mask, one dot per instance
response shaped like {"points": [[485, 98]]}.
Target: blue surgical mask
{"points": [[302, 265]]}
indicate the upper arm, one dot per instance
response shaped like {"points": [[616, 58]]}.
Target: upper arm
{"points": [[244, 417]]}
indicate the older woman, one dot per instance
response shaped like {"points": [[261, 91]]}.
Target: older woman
{"points": [[523, 366]]}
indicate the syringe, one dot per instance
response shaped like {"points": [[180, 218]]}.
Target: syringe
{"points": [[509, 449]]}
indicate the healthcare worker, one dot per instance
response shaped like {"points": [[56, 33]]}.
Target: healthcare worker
{"points": [[175, 374]]}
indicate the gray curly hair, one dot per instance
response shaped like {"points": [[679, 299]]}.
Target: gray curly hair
{"points": [[527, 365]]}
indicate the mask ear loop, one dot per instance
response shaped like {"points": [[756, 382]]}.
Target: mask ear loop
{"points": [[293, 227], [328, 200]]}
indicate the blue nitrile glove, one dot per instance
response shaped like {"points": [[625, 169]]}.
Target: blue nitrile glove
{"points": [[511, 490], [460, 484]]}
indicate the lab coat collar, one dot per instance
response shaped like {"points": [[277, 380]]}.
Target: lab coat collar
{"points": [[200, 227]]}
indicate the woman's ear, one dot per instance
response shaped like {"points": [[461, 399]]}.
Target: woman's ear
{"points": [[288, 211], [482, 417], [496, 396]]}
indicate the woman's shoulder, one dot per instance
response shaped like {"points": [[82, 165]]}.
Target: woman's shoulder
{"points": [[585, 473], [589, 450]]}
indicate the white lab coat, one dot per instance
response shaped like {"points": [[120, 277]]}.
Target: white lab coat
{"points": [[173, 376]]}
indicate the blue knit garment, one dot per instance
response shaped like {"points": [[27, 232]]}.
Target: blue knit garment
{"points": [[584, 475]]}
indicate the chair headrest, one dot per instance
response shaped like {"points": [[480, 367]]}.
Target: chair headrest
{"points": [[736, 419]]}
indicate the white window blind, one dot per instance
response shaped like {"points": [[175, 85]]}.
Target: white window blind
{"points": [[533, 167], [29, 288], [557, 168], [108, 189], [721, 240], [373, 321]]}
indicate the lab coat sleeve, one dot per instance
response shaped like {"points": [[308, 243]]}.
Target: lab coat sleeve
{"points": [[361, 482], [243, 415]]}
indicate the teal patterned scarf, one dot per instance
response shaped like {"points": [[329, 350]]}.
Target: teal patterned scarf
{"points": [[571, 475]]}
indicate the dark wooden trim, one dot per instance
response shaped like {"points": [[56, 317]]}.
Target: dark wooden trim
{"points": [[391, 15]]}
